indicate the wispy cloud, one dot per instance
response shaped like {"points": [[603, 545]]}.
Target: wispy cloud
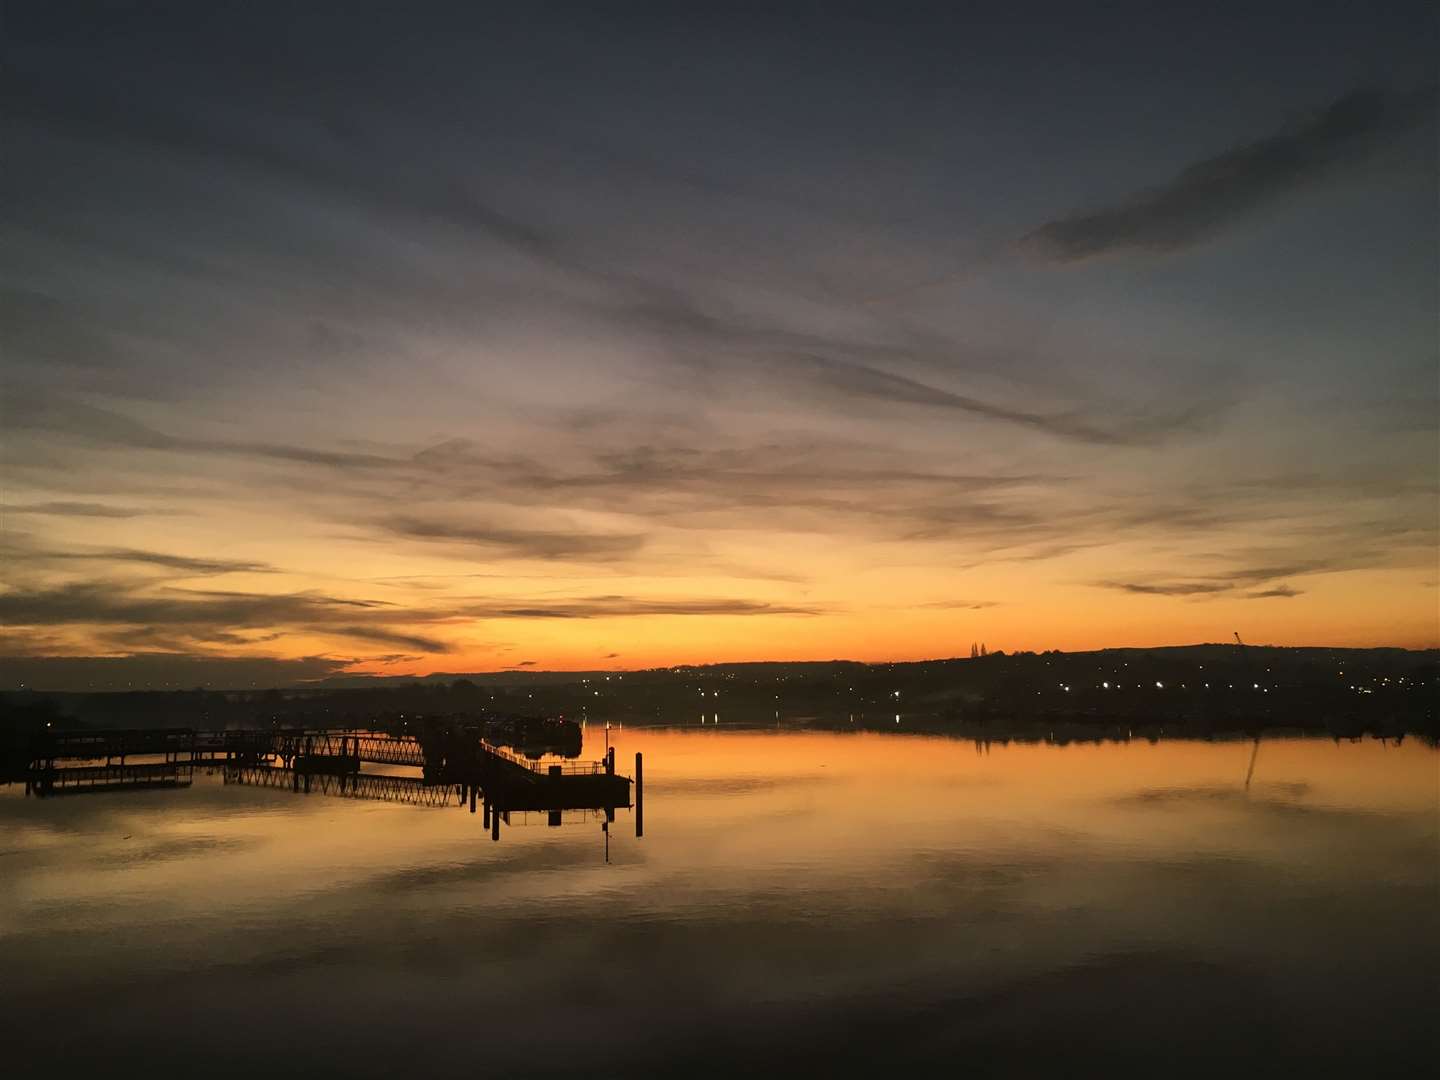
{"points": [[1218, 192], [613, 607], [188, 563], [1200, 589], [1172, 588], [79, 509], [517, 543], [24, 550], [1280, 591], [865, 381], [108, 427]]}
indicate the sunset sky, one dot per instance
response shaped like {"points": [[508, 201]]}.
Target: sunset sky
{"points": [[457, 339]]}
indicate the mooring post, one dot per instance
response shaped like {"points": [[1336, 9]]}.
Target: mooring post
{"points": [[472, 798], [610, 762], [485, 815], [495, 823], [639, 795]]}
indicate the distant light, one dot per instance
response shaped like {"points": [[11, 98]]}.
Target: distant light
{"points": [[1106, 685], [1159, 686]]}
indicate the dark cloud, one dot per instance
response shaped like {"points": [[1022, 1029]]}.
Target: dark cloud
{"points": [[1199, 589], [1216, 193], [175, 619], [390, 637], [161, 670], [100, 602], [1176, 588], [1277, 592]]}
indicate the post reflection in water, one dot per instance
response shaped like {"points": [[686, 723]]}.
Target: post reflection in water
{"points": [[802, 901]]}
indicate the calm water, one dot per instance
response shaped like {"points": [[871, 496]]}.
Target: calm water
{"points": [[800, 902]]}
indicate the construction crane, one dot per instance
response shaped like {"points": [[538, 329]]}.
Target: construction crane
{"points": [[1249, 673]]}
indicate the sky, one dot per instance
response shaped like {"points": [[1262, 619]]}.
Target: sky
{"points": [[452, 337]]}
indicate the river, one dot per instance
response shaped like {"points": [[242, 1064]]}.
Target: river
{"points": [[800, 903]]}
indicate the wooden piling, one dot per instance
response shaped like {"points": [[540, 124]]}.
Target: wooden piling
{"points": [[639, 795]]}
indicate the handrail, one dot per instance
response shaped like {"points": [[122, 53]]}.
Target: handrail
{"points": [[567, 768]]}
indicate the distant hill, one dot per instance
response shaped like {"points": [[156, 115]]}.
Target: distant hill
{"points": [[817, 668]]}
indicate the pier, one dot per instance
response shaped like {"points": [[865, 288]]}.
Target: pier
{"points": [[453, 765]]}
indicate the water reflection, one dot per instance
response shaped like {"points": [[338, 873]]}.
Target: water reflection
{"points": [[800, 901]]}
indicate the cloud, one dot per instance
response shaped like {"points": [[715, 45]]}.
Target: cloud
{"points": [[114, 616], [852, 366], [1176, 588], [390, 637], [127, 616], [962, 605], [188, 563], [24, 549], [613, 607], [79, 509], [519, 543], [1216, 193], [861, 380], [1198, 589], [161, 669], [105, 426], [1278, 591]]}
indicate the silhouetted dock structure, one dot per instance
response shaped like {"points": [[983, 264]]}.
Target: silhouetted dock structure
{"points": [[453, 762], [98, 778]]}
